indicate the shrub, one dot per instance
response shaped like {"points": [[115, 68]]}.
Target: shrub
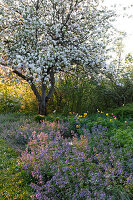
{"points": [[17, 97], [125, 112], [39, 118], [9, 103], [123, 138]]}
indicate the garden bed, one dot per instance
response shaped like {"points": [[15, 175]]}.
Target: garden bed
{"points": [[74, 157]]}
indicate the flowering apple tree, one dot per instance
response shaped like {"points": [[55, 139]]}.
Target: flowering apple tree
{"points": [[40, 38]]}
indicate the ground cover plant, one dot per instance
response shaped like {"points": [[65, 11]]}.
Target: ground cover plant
{"points": [[72, 157], [56, 161], [89, 167]]}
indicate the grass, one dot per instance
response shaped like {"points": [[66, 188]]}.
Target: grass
{"points": [[14, 181]]}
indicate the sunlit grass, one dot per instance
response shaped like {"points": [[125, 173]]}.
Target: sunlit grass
{"points": [[14, 182]]}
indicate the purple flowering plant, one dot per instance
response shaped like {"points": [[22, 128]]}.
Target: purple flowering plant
{"points": [[89, 167]]}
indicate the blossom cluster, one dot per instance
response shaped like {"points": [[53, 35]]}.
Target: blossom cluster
{"points": [[40, 36]]}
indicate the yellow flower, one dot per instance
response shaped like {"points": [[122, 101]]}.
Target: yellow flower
{"points": [[85, 114], [115, 118], [101, 112], [77, 126], [110, 120], [107, 114], [22, 107], [70, 113]]}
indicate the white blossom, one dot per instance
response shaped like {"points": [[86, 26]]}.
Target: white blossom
{"points": [[55, 36]]}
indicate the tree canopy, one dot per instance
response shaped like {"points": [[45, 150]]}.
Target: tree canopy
{"points": [[43, 37]]}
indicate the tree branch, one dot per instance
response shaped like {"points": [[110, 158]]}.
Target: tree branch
{"points": [[30, 81], [4, 64], [22, 76], [34, 89], [69, 14], [52, 80]]}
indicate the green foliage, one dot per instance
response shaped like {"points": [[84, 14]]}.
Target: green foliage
{"points": [[91, 161], [79, 93], [125, 112], [20, 127], [50, 117], [123, 138], [9, 103], [73, 93], [39, 118], [14, 181], [16, 97]]}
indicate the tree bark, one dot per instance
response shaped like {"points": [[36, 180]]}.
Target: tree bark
{"points": [[43, 98], [42, 108], [42, 103]]}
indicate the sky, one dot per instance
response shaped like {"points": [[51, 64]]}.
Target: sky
{"points": [[124, 24]]}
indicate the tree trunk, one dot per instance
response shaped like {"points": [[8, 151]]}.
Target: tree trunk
{"points": [[43, 98], [42, 107]]}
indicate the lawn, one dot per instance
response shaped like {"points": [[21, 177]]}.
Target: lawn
{"points": [[14, 181]]}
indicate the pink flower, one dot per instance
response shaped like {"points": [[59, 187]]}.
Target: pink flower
{"points": [[125, 122], [32, 197]]}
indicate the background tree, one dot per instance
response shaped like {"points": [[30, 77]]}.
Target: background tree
{"points": [[129, 64], [43, 37]]}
